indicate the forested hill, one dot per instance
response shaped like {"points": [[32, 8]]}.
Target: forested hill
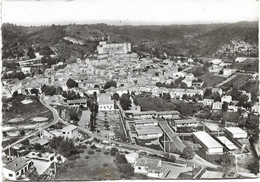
{"points": [[80, 40]]}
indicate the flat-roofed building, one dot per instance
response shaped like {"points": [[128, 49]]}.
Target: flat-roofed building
{"points": [[186, 123], [148, 132], [227, 143], [70, 132], [146, 122], [150, 167], [236, 132], [208, 143], [119, 48]]}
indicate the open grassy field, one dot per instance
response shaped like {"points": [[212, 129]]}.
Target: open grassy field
{"points": [[210, 79], [25, 112], [96, 166], [238, 81], [148, 103]]}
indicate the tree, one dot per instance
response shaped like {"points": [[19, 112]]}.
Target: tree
{"points": [[15, 94], [96, 86], [187, 153], [125, 101], [30, 53], [73, 115], [116, 96], [166, 96], [59, 90], [35, 91], [64, 94], [183, 85], [225, 107], [184, 97], [110, 83], [71, 83], [221, 72], [4, 133], [208, 93], [22, 132]]}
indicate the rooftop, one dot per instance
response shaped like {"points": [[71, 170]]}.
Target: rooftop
{"points": [[69, 128], [16, 164], [235, 130], [148, 130], [207, 140], [149, 162]]}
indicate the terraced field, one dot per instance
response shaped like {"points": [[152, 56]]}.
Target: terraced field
{"points": [[238, 81]]}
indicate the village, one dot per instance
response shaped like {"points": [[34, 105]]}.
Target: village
{"points": [[132, 116]]}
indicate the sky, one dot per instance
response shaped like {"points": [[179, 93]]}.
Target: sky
{"points": [[128, 12]]}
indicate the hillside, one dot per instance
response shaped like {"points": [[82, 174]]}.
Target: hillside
{"points": [[79, 40]]}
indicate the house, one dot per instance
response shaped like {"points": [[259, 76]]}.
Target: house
{"points": [[197, 83], [218, 90], [70, 132], [207, 102], [226, 98], [91, 91], [131, 158], [105, 103], [240, 59], [208, 143], [236, 132], [255, 108], [77, 102], [232, 108], [26, 70], [225, 141], [148, 166], [216, 61], [228, 72], [16, 168], [217, 106]]}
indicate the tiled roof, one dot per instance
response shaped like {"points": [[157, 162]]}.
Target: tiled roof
{"points": [[16, 164]]}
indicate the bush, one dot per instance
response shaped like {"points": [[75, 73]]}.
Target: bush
{"points": [[106, 153], [113, 151], [98, 150], [91, 152], [83, 146], [93, 147], [81, 151], [105, 165], [86, 157], [73, 157]]}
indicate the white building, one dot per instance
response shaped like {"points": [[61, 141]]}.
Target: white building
{"points": [[16, 168], [105, 103], [148, 132], [70, 132], [120, 48], [236, 132], [208, 143], [207, 102], [26, 70], [228, 72], [217, 106], [226, 98], [149, 167]]}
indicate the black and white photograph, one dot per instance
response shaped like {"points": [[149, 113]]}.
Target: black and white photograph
{"points": [[111, 90]]}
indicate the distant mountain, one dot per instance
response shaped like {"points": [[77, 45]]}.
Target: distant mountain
{"points": [[203, 39]]}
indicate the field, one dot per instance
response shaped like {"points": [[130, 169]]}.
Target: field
{"points": [[251, 87], [154, 104], [238, 81], [210, 79], [24, 113]]}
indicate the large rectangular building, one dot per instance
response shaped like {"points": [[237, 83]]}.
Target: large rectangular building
{"points": [[236, 132], [119, 48], [208, 143]]}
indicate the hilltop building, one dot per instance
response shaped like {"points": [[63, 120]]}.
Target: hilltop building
{"points": [[120, 48]]}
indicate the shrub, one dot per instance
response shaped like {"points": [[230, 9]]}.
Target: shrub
{"points": [[106, 153], [91, 152], [83, 146], [93, 147], [73, 157], [105, 165], [98, 150], [81, 151], [86, 157]]}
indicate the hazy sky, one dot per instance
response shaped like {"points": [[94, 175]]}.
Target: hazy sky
{"points": [[134, 12]]}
